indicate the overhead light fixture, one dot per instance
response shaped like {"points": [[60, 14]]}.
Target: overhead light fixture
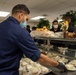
{"points": [[37, 18], [4, 14]]}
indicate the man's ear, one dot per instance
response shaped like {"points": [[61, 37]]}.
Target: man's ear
{"points": [[20, 15]]}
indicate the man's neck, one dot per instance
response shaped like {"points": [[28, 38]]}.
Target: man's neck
{"points": [[16, 18]]}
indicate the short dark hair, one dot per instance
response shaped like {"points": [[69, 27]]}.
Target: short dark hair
{"points": [[28, 26], [33, 28], [55, 21], [20, 8]]}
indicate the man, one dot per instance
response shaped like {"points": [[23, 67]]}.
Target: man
{"points": [[16, 41], [33, 28], [55, 26], [28, 28]]}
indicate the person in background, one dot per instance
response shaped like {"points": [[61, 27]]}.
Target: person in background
{"points": [[71, 25], [28, 28], [16, 41], [55, 26], [33, 28], [33, 31]]}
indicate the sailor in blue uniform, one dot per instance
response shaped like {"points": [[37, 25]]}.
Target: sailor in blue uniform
{"points": [[16, 41]]}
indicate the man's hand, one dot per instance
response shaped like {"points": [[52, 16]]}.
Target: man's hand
{"points": [[45, 60], [61, 66]]}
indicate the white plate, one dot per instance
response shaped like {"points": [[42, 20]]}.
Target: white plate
{"points": [[72, 69]]}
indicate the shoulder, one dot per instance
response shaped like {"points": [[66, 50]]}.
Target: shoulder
{"points": [[14, 29]]}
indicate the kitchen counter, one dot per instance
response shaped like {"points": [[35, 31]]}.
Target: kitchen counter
{"points": [[56, 71], [65, 73], [59, 40]]}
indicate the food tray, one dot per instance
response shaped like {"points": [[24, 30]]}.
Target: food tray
{"points": [[46, 73]]}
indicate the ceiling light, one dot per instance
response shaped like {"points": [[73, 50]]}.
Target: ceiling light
{"points": [[37, 18], [4, 14]]}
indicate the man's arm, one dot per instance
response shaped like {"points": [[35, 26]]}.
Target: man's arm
{"points": [[45, 60], [27, 46]]}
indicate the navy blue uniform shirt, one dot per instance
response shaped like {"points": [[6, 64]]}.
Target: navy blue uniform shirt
{"points": [[14, 42]]}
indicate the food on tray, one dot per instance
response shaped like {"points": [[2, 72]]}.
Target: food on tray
{"points": [[70, 67], [73, 62], [63, 60], [44, 32], [44, 69], [62, 49], [49, 55], [34, 70], [71, 35], [20, 70], [28, 67], [57, 58]]}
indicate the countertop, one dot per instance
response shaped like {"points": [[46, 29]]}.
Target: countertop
{"points": [[65, 73], [55, 71]]}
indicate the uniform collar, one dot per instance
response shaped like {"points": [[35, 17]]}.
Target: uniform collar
{"points": [[13, 19]]}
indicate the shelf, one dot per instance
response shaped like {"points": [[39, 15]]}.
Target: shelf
{"points": [[60, 40], [71, 52], [56, 52]]}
